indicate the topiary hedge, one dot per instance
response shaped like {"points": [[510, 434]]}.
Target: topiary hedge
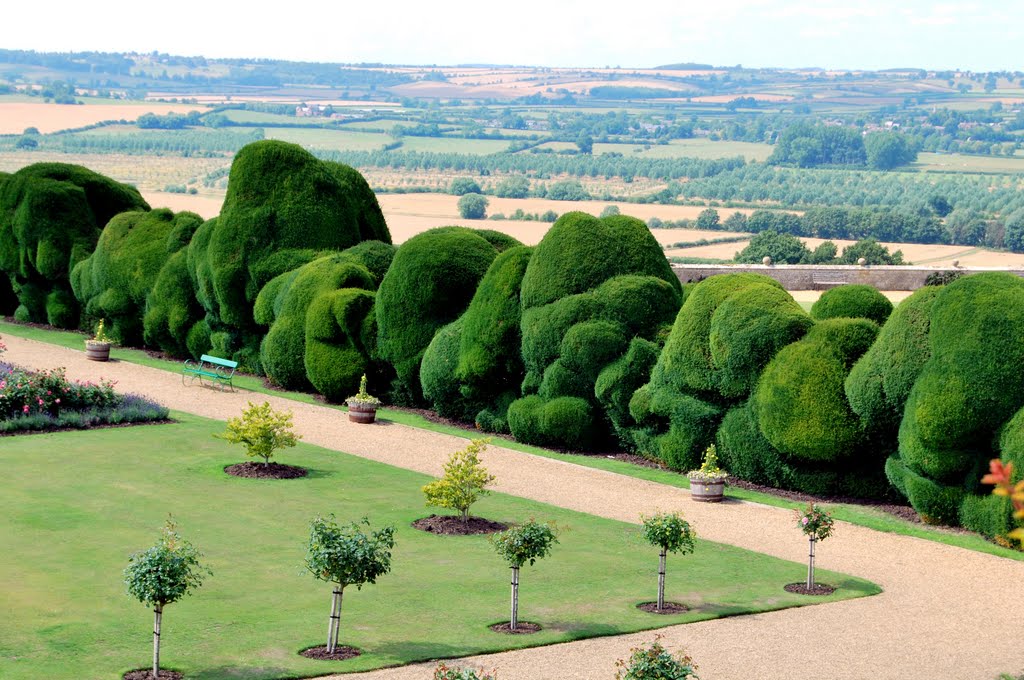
{"points": [[852, 300], [283, 208], [51, 215], [880, 382], [727, 330], [115, 281], [965, 393], [430, 283], [591, 287]]}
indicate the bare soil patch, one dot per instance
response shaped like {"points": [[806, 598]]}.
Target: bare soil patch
{"points": [[817, 589], [340, 653], [147, 674], [253, 470], [522, 628], [667, 608], [452, 525]]}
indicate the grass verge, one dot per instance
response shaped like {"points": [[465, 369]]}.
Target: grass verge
{"points": [[855, 514], [67, 535]]}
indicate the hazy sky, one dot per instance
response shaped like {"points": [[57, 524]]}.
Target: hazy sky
{"points": [[980, 35]]}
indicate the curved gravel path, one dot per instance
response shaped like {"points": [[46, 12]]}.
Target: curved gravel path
{"points": [[945, 612]]}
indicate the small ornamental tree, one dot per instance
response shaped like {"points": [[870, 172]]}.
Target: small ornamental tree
{"points": [[263, 431], [347, 556], [164, 574], [464, 480], [672, 534], [817, 526], [523, 544], [655, 663]]}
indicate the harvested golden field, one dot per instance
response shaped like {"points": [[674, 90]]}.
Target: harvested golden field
{"points": [[204, 205], [809, 297], [938, 256], [16, 116]]}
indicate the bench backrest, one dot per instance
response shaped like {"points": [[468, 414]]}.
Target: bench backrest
{"points": [[226, 363]]}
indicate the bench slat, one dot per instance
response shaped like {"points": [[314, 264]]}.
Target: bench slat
{"points": [[218, 361]]}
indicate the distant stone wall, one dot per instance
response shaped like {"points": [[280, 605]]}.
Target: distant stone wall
{"points": [[823, 277]]}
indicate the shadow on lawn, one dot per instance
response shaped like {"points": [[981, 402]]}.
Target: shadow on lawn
{"points": [[242, 673]]}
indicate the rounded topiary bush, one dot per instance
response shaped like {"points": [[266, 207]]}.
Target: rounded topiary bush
{"points": [[283, 207], [619, 380], [115, 281], [800, 402], [437, 374], [430, 283], [289, 298], [591, 287], [881, 380], [51, 216], [172, 309], [852, 300], [339, 342]]}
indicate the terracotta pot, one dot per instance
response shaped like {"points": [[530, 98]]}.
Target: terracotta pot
{"points": [[362, 413], [97, 351], [707, 492]]}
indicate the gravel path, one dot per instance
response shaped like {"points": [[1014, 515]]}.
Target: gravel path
{"points": [[945, 612]]}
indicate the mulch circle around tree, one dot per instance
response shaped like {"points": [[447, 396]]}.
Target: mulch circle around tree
{"points": [[147, 674], [666, 608], [522, 628], [340, 653], [452, 525], [260, 471], [802, 589]]}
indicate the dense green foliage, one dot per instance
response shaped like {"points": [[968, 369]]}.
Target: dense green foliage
{"points": [[806, 145], [962, 397], [282, 207], [591, 286], [115, 282], [51, 215], [854, 301], [430, 283]]}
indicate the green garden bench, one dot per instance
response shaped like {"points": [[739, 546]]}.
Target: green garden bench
{"points": [[219, 371]]}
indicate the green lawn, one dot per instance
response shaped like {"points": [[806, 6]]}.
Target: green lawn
{"points": [[76, 504], [335, 140], [856, 514]]}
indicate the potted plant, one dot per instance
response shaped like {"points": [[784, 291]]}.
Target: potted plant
{"points": [[362, 408], [707, 484], [98, 347]]}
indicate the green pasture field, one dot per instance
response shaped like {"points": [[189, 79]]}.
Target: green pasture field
{"points": [[865, 516], [334, 140], [263, 118], [454, 145], [692, 148], [946, 162], [67, 535]]}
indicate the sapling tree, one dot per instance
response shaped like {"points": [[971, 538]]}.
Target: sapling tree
{"points": [[672, 534], [817, 526], [263, 431], [347, 556], [464, 482], [523, 544], [648, 663], [164, 574]]}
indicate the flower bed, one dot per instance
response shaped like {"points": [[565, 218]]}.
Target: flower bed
{"points": [[47, 400]]}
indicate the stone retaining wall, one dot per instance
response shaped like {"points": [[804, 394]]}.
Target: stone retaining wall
{"points": [[822, 277]]}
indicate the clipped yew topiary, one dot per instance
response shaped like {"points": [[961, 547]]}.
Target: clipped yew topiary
{"points": [[591, 287], [728, 329], [115, 281], [880, 382], [283, 208], [430, 283], [51, 215], [317, 316], [852, 300], [965, 393]]}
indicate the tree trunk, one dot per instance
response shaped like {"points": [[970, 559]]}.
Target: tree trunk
{"points": [[266, 461], [158, 615], [661, 579], [465, 515], [334, 623], [810, 565], [515, 599]]}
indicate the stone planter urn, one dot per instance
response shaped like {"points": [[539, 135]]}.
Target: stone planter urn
{"points": [[97, 351]]}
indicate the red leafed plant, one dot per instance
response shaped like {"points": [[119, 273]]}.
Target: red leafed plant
{"points": [[1001, 475]]}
